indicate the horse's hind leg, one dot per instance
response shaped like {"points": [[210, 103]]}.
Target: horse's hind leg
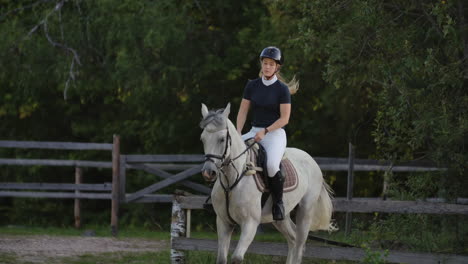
{"points": [[303, 221], [304, 217], [288, 229]]}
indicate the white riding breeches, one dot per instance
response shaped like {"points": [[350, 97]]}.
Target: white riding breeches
{"points": [[274, 143]]}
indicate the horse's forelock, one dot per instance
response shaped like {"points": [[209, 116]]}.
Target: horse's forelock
{"points": [[214, 117]]}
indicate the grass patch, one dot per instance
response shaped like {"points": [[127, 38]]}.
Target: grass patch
{"points": [[7, 258], [120, 258]]}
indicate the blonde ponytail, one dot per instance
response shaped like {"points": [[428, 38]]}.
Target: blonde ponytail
{"points": [[293, 84]]}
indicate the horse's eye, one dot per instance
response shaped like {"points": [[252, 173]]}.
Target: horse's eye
{"points": [[221, 140]]}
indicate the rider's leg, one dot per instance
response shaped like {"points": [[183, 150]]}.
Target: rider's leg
{"points": [[275, 144]]}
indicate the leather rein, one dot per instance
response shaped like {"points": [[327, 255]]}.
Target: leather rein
{"points": [[226, 162]]}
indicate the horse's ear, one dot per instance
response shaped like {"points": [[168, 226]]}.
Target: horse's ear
{"points": [[227, 110], [204, 110]]}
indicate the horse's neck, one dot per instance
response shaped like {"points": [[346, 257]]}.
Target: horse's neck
{"points": [[237, 147]]}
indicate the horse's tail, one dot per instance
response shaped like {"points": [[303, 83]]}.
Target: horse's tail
{"points": [[323, 211]]}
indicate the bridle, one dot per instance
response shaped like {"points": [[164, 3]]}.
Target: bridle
{"points": [[210, 157], [225, 163]]}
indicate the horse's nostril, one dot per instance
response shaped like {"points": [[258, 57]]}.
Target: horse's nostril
{"points": [[213, 173]]}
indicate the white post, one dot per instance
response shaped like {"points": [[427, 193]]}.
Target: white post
{"points": [[177, 230], [189, 224]]}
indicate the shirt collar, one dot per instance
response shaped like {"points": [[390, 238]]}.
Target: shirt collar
{"points": [[269, 82]]}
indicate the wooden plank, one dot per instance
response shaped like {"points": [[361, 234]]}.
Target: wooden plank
{"points": [[155, 198], [191, 202], [441, 200], [54, 145], [170, 166], [165, 158], [364, 205], [418, 163], [50, 162], [156, 171], [320, 252], [417, 207], [363, 167], [327, 164], [56, 186], [59, 195], [164, 183]]}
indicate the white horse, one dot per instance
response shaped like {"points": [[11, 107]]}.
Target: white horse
{"points": [[236, 197]]}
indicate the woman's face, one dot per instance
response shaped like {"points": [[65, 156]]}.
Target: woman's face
{"points": [[269, 67]]}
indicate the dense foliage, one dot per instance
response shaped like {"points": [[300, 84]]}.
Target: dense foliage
{"points": [[388, 75]]}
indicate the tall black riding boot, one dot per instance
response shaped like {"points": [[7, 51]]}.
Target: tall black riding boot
{"points": [[276, 187]]}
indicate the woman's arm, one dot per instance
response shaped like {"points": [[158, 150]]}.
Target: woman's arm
{"points": [[242, 115], [285, 113]]}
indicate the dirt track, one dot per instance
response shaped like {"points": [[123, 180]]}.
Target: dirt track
{"points": [[37, 249]]}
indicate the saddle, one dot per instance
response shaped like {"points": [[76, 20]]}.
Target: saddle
{"points": [[256, 167]]}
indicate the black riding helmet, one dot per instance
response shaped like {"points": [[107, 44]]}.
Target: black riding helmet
{"points": [[273, 53]]}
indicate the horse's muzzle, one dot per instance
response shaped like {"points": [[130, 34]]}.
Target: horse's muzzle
{"points": [[209, 172]]}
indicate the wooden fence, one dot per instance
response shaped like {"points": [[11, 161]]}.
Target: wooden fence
{"points": [[81, 191], [187, 166], [181, 241]]}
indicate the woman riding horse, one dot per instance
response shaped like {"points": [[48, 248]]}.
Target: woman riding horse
{"points": [[270, 100]]}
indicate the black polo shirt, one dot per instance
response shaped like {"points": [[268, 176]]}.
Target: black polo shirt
{"points": [[265, 101]]}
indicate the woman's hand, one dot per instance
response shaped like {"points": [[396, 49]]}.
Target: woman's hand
{"points": [[260, 135]]}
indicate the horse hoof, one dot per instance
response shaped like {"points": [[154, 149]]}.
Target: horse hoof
{"points": [[236, 261]]}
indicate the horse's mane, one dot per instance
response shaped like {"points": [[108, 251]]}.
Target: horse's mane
{"points": [[214, 117]]}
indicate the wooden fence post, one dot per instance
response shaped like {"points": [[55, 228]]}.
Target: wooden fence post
{"points": [[349, 190], [77, 210], [177, 230], [115, 185]]}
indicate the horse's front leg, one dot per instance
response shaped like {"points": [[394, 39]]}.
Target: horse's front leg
{"points": [[248, 231], [224, 238]]}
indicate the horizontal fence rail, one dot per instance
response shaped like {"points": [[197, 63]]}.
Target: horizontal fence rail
{"points": [[56, 186], [327, 164], [389, 206], [55, 145], [58, 163], [364, 205], [149, 198], [164, 158], [56, 195]]}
